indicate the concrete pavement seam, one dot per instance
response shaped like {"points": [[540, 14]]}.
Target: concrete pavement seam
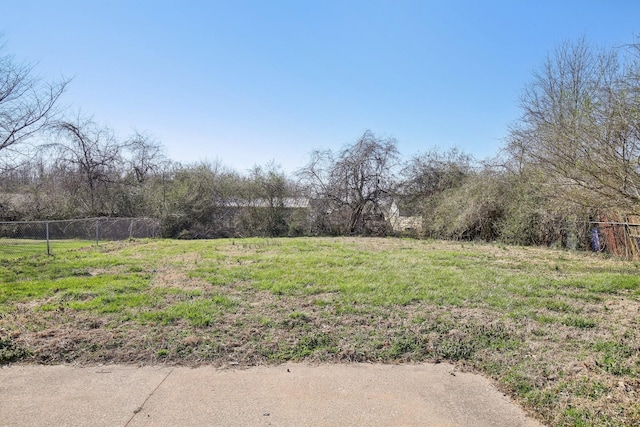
{"points": [[139, 409]]}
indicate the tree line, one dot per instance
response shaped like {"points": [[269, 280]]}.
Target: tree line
{"points": [[572, 158]]}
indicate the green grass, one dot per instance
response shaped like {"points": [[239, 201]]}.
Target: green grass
{"points": [[11, 249], [558, 331]]}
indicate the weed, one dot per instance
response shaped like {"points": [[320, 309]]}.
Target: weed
{"points": [[295, 319], [10, 351], [199, 313], [406, 345], [590, 389], [579, 322], [306, 346], [583, 418]]}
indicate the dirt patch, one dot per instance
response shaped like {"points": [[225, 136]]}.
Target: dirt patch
{"points": [[171, 278]]}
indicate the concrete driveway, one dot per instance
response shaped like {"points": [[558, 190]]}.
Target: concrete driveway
{"points": [[283, 395]]}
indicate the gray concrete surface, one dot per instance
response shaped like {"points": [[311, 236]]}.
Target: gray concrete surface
{"points": [[284, 395]]}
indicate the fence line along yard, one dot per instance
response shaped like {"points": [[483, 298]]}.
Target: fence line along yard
{"points": [[20, 238], [618, 238], [31, 237]]}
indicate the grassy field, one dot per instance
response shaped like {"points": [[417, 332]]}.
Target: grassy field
{"points": [[559, 331], [20, 248]]}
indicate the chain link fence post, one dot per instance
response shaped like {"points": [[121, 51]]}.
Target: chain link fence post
{"points": [[48, 244]]}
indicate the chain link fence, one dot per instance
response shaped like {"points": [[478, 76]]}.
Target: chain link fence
{"points": [[23, 238]]}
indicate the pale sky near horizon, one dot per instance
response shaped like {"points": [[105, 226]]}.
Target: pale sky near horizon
{"points": [[247, 82]]}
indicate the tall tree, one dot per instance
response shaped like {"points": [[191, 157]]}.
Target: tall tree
{"points": [[144, 168], [27, 104], [92, 154], [357, 180], [268, 192], [145, 156], [202, 200], [430, 173], [580, 125]]}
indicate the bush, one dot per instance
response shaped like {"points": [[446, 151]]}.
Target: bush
{"points": [[174, 225], [471, 211]]}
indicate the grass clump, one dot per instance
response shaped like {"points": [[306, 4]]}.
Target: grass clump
{"points": [[10, 351]]}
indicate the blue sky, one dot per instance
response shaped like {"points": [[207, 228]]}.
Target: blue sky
{"points": [[247, 82]]}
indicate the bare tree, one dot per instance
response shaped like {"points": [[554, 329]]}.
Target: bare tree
{"points": [[356, 181], [27, 104], [580, 126], [92, 153], [145, 156], [431, 173]]}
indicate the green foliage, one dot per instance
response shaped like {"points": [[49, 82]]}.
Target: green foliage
{"points": [[10, 351], [579, 322], [267, 193], [210, 201], [173, 225], [19, 249], [471, 211], [198, 313], [617, 357], [198, 201]]}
